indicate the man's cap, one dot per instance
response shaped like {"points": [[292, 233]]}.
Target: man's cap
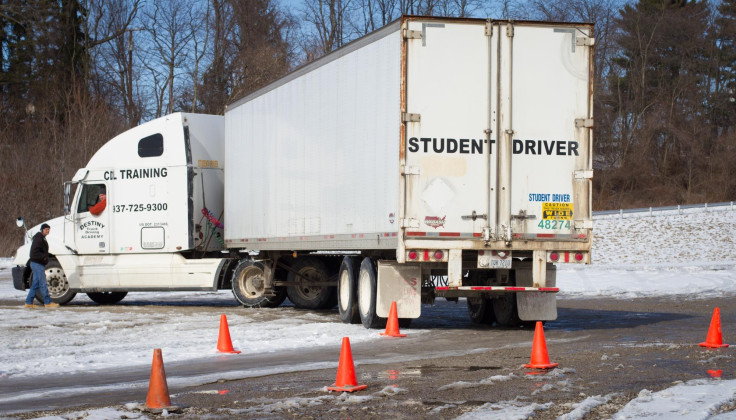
{"points": [[44, 226], [101, 190]]}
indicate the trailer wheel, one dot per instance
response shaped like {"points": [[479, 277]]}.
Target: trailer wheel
{"points": [[505, 310], [347, 291], [248, 286], [107, 298], [480, 308], [367, 294], [57, 284], [305, 295]]}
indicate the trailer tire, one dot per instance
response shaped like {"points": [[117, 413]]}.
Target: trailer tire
{"points": [[480, 308], [347, 291], [57, 284], [107, 298], [248, 286], [367, 295], [306, 296], [505, 310]]}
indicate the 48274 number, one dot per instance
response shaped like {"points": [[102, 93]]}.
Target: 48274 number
{"points": [[554, 224]]}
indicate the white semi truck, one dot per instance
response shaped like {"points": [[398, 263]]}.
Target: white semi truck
{"points": [[436, 157]]}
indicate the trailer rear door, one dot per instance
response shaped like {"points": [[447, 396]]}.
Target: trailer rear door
{"points": [[549, 110], [447, 143], [497, 130]]}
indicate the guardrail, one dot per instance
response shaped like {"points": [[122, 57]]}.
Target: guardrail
{"points": [[679, 209]]}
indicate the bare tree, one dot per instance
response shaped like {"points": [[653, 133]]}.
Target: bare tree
{"points": [[168, 25], [328, 21]]}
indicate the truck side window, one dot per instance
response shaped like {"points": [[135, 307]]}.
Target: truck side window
{"points": [[151, 146], [89, 196]]}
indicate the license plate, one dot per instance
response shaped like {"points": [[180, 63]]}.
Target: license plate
{"points": [[505, 263]]}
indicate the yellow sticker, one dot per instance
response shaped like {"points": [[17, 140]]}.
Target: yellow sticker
{"points": [[557, 211], [208, 164]]}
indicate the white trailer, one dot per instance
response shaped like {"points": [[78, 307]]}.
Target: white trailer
{"points": [[440, 150], [435, 157]]}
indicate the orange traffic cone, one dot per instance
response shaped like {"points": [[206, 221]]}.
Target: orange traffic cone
{"points": [[224, 345], [714, 339], [346, 380], [392, 326], [540, 358], [158, 391]]}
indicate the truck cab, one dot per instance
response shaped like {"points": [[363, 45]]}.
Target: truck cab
{"points": [[160, 222]]}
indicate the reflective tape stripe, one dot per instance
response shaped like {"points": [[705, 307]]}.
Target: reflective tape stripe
{"points": [[501, 288]]}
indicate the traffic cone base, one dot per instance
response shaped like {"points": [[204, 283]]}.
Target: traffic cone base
{"points": [[540, 358], [224, 344], [392, 325], [714, 339], [345, 380], [713, 346], [157, 398], [541, 366], [346, 388]]}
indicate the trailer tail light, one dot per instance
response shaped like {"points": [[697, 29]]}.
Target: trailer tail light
{"points": [[426, 255], [568, 257]]}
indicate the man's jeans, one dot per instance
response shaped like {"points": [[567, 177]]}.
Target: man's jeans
{"points": [[39, 283]]}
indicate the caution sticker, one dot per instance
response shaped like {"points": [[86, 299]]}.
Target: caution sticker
{"points": [[557, 211]]}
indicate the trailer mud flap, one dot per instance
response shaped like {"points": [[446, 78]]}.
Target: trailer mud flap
{"points": [[400, 283], [537, 306]]}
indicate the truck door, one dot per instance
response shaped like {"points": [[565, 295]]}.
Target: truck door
{"points": [[92, 232], [546, 126], [448, 138]]}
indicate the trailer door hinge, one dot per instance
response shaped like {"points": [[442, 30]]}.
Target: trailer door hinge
{"points": [[584, 42], [583, 174], [410, 34], [583, 224], [489, 28], [523, 216], [410, 170], [510, 30], [409, 223], [474, 216], [583, 123], [408, 117]]}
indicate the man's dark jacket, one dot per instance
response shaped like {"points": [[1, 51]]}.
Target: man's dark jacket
{"points": [[39, 249]]}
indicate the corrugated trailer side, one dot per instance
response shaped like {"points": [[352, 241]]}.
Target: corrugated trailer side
{"points": [[313, 159]]}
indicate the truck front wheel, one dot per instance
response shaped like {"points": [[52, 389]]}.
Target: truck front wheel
{"points": [[57, 284], [249, 286], [303, 293], [107, 298]]}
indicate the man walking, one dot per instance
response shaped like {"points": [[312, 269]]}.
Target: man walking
{"points": [[39, 259]]}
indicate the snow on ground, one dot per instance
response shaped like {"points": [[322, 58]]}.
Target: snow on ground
{"points": [[637, 255]]}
